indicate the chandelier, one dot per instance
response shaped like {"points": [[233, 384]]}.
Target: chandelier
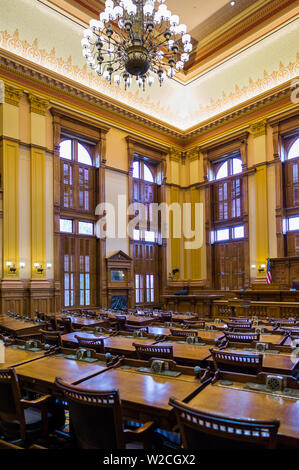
{"points": [[136, 39]]}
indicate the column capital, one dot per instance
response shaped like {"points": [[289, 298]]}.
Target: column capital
{"points": [[38, 105], [12, 95], [258, 128]]}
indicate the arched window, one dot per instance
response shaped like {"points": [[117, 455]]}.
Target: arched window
{"points": [[232, 166], [83, 155], [147, 174], [294, 150], [142, 171], [222, 172], [65, 149], [237, 166]]}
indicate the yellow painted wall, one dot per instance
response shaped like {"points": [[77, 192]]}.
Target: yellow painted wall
{"points": [[38, 211], [9, 157], [25, 212], [116, 150]]}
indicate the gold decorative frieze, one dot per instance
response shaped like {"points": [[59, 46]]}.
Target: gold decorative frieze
{"points": [[258, 128], [12, 94], [38, 105]]}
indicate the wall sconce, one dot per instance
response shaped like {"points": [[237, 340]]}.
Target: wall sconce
{"points": [[39, 268], [253, 266], [11, 266], [49, 265], [22, 265], [262, 268]]}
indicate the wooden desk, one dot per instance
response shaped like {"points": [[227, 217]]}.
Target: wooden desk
{"points": [[189, 354], [178, 317], [232, 403], [134, 320], [14, 357], [18, 327], [271, 338], [145, 396], [85, 322], [40, 375]]}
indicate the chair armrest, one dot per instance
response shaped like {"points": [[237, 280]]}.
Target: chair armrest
{"points": [[41, 401], [140, 432]]}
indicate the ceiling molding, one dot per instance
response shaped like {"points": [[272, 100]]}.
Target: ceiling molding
{"points": [[20, 67]]}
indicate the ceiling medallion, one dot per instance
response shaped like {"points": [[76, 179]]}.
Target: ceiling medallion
{"points": [[138, 39]]}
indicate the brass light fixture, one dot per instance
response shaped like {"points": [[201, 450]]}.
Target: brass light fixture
{"points": [[137, 39]]}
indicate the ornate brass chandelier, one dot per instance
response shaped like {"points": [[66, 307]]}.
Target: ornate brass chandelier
{"points": [[136, 39]]}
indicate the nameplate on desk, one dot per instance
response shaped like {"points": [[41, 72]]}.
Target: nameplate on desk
{"points": [[74, 358], [23, 348], [165, 373], [191, 344]]}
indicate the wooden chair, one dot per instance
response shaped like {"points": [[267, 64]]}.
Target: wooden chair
{"points": [[51, 323], [96, 419], [235, 327], [40, 316], [183, 333], [51, 337], [120, 322], [91, 343], [146, 352], [237, 362], [242, 337], [65, 325], [165, 317], [202, 430], [21, 417]]}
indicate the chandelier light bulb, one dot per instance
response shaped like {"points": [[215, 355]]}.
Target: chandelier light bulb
{"points": [[174, 20], [136, 38], [182, 29], [84, 43], [186, 38], [150, 80], [148, 9], [87, 33], [118, 12], [93, 25], [104, 17], [188, 47], [185, 57]]}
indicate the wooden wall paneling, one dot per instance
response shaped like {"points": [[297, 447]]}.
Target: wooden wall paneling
{"points": [[101, 291]]}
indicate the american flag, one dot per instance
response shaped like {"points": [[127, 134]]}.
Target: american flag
{"points": [[269, 277]]}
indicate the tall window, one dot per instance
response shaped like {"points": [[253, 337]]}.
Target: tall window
{"points": [[145, 240], [78, 246], [228, 231], [291, 194]]}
